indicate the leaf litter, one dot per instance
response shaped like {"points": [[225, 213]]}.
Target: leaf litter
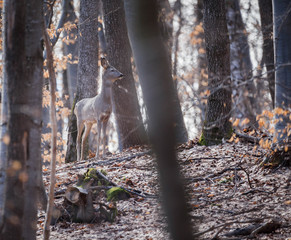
{"points": [[228, 192]]}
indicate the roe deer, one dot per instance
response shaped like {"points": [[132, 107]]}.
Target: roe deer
{"points": [[96, 110]]}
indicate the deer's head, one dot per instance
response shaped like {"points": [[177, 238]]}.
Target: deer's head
{"points": [[110, 73]]}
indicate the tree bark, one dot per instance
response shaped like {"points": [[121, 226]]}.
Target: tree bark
{"points": [[178, 12], [217, 125], [87, 67], [201, 75], [243, 87], [165, 20], [266, 11], [4, 134], [282, 39], [126, 108], [71, 48], [158, 90], [23, 67]]}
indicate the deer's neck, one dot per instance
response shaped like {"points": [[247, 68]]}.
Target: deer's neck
{"points": [[106, 90]]}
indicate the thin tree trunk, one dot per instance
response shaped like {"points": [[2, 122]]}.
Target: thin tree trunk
{"points": [[158, 89], [199, 41], [3, 137], [53, 119], [241, 65], [70, 48], [126, 108], [165, 21], [87, 67], [266, 11], [217, 125], [178, 11], [282, 40]]}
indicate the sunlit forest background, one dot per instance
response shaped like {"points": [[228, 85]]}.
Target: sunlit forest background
{"points": [[188, 63]]}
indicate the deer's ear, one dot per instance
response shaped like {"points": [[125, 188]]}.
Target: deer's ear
{"points": [[104, 63]]}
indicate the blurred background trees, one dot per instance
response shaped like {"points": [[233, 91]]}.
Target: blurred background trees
{"points": [[181, 25], [238, 69], [252, 74]]}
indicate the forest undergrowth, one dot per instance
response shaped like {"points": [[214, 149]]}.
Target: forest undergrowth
{"points": [[229, 194]]}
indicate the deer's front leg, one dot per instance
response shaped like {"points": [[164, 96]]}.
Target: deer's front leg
{"points": [[98, 136], [80, 127], [104, 137], [85, 135]]}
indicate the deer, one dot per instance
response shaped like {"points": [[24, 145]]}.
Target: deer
{"points": [[96, 110]]}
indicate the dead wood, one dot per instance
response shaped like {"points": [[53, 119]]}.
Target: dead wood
{"points": [[118, 159], [267, 227], [248, 138], [255, 229], [78, 203]]}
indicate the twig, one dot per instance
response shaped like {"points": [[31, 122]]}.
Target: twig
{"points": [[219, 231], [212, 175], [248, 176], [256, 190], [249, 210], [107, 162]]}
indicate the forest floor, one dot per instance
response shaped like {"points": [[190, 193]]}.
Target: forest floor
{"points": [[227, 189]]}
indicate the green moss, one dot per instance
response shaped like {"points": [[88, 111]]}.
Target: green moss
{"points": [[214, 136], [117, 193], [103, 172], [202, 141], [229, 134], [91, 173]]}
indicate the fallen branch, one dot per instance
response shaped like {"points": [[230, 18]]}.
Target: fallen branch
{"points": [[107, 162], [248, 138], [225, 225], [131, 191], [94, 162]]}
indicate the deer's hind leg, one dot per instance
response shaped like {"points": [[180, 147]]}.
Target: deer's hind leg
{"points": [[84, 138], [80, 127]]}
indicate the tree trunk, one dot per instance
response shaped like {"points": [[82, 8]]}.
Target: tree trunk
{"points": [[3, 143], [243, 87], [266, 11], [23, 67], [87, 67], [165, 21], [158, 90], [71, 48], [201, 75], [217, 125], [130, 126], [282, 39], [178, 12]]}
